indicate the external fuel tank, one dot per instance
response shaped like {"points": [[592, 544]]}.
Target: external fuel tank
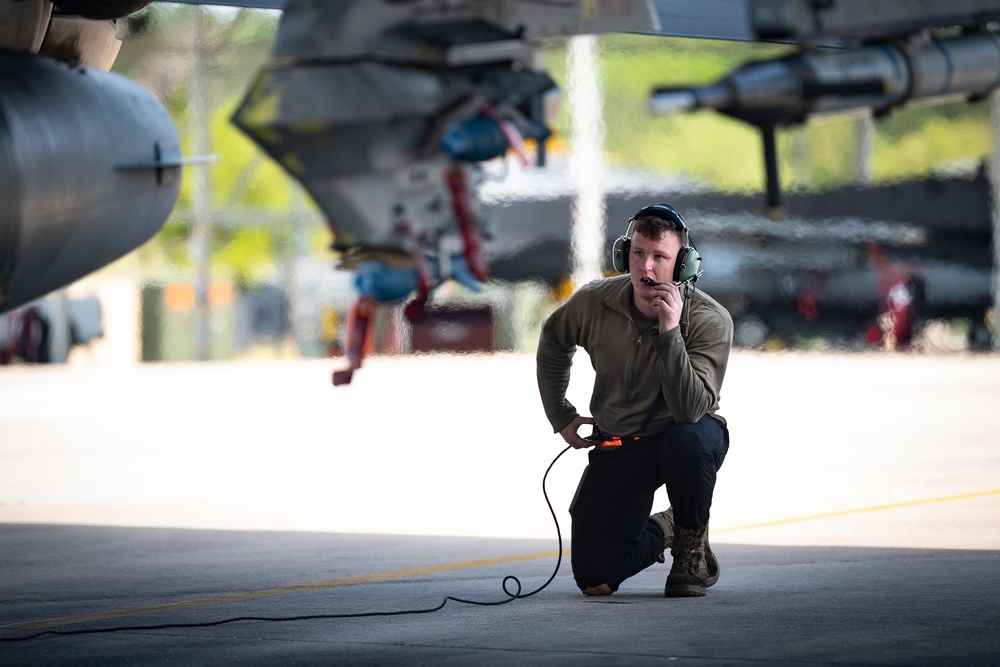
{"points": [[89, 171]]}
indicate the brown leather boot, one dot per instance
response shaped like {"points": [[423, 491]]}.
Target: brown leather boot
{"points": [[695, 567]]}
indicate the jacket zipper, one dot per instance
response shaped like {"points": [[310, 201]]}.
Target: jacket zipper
{"points": [[631, 364]]}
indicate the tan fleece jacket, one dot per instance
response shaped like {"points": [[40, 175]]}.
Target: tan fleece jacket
{"points": [[634, 367]]}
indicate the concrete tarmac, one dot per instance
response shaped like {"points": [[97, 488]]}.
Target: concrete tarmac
{"points": [[857, 517]]}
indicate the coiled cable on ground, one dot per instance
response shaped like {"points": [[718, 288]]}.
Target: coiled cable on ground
{"points": [[508, 580]]}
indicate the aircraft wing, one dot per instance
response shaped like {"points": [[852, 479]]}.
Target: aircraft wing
{"points": [[706, 19], [248, 4]]}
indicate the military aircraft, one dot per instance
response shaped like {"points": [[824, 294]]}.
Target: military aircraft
{"points": [[383, 110]]}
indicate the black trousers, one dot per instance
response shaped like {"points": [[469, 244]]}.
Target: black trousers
{"points": [[612, 536]]}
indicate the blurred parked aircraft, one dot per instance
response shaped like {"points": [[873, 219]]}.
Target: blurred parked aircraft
{"points": [[826, 271], [384, 110]]}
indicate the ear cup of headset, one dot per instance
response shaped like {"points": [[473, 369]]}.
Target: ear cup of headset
{"points": [[687, 265], [621, 247], [619, 254]]}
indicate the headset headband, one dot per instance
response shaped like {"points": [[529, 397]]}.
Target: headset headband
{"points": [[660, 211]]}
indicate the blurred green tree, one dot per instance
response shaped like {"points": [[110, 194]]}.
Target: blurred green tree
{"points": [[252, 198]]}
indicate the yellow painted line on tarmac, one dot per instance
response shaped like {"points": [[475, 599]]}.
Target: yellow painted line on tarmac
{"points": [[272, 592], [859, 510], [431, 569]]}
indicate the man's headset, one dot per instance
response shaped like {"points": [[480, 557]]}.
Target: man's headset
{"points": [[687, 268]]}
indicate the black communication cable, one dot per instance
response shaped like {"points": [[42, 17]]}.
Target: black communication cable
{"points": [[511, 596]]}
